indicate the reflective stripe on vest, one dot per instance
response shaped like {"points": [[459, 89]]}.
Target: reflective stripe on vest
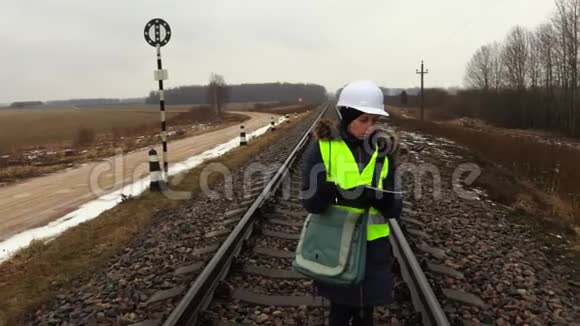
{"points": [[342, 169]]}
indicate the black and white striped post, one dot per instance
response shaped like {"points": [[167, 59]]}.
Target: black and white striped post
{"points": [[243, 140], [157, 183], [160, 26], [160, 77], [272, 126]]}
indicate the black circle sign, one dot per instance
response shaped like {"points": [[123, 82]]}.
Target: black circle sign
{"points": [[158, 24]]}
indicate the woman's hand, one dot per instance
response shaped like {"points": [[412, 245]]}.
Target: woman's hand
{"points": [[353, 197]]}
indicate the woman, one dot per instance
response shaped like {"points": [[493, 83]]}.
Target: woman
{"points": [[347, 147]]}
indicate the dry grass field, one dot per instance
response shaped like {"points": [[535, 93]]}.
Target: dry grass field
{"points": [[35, 142], [37, 127], [518, 171]]}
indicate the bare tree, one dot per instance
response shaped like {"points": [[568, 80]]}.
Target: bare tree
{"points": [[479, 69], [534, 68], [496, 66], [515, 58], [485, 69], [545, 46], [567, 23], [561, 52], [217, 93]]}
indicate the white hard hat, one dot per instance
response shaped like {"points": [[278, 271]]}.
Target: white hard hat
{"points": [[364, 96]]}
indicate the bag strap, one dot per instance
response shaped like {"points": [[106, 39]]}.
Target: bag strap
{"points": [[378, 168], [329, 160], [376, 175]]}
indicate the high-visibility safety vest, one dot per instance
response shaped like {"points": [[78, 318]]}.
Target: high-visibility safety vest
{"points": [[342, 169]]}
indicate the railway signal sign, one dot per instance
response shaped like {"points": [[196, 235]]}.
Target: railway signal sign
{"points": [[162, 32], [157, 34]]}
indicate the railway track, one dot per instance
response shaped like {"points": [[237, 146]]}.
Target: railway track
{"points": [[249, 279], [228, 260]]}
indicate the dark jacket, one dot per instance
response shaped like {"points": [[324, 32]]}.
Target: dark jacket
{"points": [[316, 198], [377, 287]]}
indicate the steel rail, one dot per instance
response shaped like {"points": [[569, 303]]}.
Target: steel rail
{"points": [[201, 292]]}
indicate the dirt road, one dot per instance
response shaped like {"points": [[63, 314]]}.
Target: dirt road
{"points": [[39, 201]]}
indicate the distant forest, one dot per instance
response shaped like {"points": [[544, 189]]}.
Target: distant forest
{"points": [[531, 78], [77, 102], [268, 92], [96, 101], [197, 94]]}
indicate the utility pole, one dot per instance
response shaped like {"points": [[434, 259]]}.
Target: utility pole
{"points": [[422, 73]]}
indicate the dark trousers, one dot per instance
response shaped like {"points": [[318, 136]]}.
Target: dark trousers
{"points": [[350, 316]]}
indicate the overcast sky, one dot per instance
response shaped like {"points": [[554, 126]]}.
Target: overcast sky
{"points": [[58, 49]]}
